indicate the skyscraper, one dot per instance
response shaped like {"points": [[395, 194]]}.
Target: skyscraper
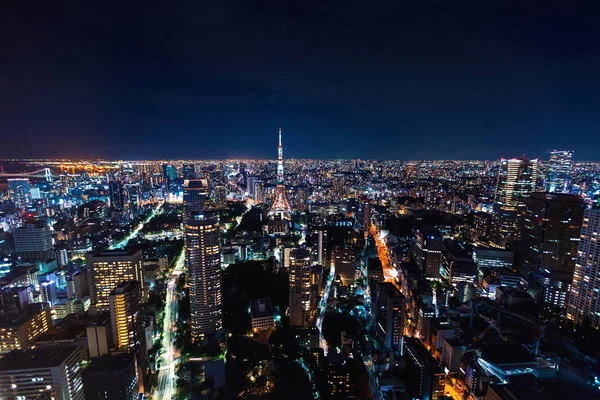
{"points": [[516, 179], [220, 196], [111, 377], [116, 195], [169, 173], [33, 242], [108, 269], [550, 231], [428, 252], [47, 372], [195, 196], [365, 213], [388, 315], [189, 171], [299, 275], [280, 205], [19, 191], [584, 299], [558, 173], [127, 322], [202, 257]]}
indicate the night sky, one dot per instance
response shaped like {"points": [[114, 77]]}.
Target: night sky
{"points": [[402, 80]]}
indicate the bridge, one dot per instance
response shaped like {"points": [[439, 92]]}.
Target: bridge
{"points": [[44, 173]]}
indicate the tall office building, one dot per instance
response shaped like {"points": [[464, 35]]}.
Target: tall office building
{"points": [[127, 322], [202, 258], [20, 330], [345, 264], [558, 172], [250, 185], [220, 196], [19, 191], [299, 275], [584, 299], [48, 372], [428, 252], [189, 171], [365, 212], [169, 174], [108, 269], [551, 228], [388, 315], [116, 195], [516, 179], [280, 205], [33, 242], [111, 377], [195, 196], [125, 315]]}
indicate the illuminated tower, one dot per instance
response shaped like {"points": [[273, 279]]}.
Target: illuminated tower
{"points": [[203, 260], [516, 179], [299, 272], [280, 206], [584, 302], [558, 175]]}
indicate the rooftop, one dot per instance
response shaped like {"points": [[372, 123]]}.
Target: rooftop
{"points": [[110, 363], [40, 357], [260, 308]]}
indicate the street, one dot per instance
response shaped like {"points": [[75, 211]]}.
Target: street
{"points": [[166, 373]]}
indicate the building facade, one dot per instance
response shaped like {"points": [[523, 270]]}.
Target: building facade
{"points": [[203, 260], [299, 275], [108, 269]]}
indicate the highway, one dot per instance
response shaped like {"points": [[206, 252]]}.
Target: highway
{"points": [[168, 361]]}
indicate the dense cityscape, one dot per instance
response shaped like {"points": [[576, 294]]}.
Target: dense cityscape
{"points": [[317, 200], [337, 279]]}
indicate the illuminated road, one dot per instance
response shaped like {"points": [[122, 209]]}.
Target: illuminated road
{"points": [[390, 274], [323, 306], [122, 243], [166, 373]]}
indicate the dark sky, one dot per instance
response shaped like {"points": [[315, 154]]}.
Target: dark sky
{"points": [[412, 79]]}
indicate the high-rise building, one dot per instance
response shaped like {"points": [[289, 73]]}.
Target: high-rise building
{"points": [[48, 372], [108, 269], [169, 174], [584, 300], [345, 265], [195, 196], [220, 196], [33, 242], [299, 275], [558, 172], [189, 171], [19, 191], [551, 227], [428, 252], [116, 195], [280, 205], [128, 324], [20, 330], [516, 179], [111, 377], [365, 212], [251, 185], [125, 315], [424, 376], [388, 315], [202, 258], [457, 262]]}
